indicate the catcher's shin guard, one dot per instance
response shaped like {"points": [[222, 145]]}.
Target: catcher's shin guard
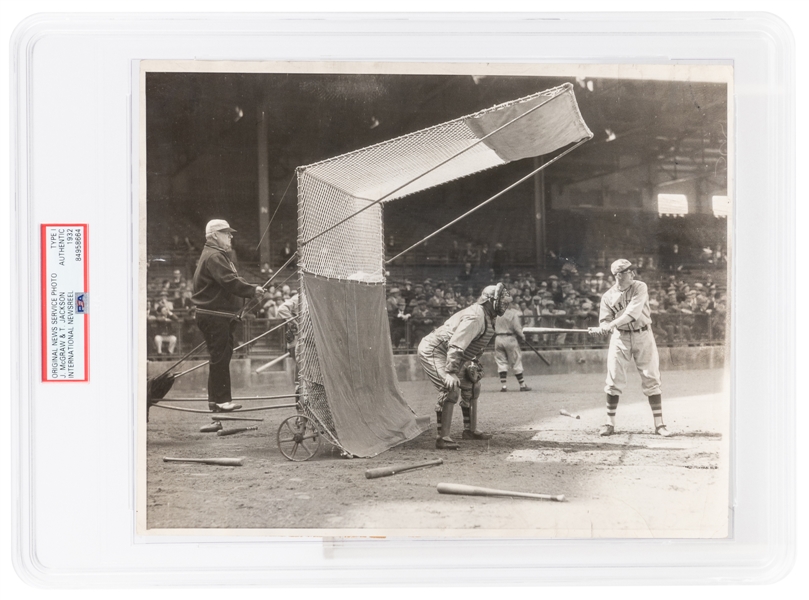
{"points": [[473, 414], [446, 420], [470, 429], [444, 441], [467, 417]]}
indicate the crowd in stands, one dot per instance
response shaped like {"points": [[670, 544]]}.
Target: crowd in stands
{"points": [[684, 308], [170, 316]]}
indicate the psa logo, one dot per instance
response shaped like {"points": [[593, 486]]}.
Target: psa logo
{"points": [[81, 304]]}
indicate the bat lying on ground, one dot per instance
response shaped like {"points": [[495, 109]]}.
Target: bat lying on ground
{"points": [[222, 462], [473, 490], [567, 414], [396, 469], [235, 431]]}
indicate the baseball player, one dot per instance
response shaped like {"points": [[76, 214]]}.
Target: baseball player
{"points": [[290, 309], [287, 310], [449, 356], [508, 336], [625, 314]]}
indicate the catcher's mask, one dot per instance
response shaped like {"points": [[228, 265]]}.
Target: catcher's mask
{"points": [[498, 296]]}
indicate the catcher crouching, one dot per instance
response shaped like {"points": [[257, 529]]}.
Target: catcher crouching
{"points": [[450, 357]]}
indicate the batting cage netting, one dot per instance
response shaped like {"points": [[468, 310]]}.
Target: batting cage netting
{"points": [[348, 382]]}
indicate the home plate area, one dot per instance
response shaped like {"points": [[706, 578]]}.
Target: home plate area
{"points": [[693, 450]]}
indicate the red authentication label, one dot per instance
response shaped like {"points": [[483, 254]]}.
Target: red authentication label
{"points": [[65, 303]]}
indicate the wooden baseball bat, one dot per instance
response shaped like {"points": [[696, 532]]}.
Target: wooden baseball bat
{"points": [[234, 399], [235, 431], [223, 417], [396, 469], [222, 462], [545, 360], [551, 330], [274, 361], [210, 412], [473, 490], [567, 414]]}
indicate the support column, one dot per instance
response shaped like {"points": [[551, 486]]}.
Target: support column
{"points": [[540, 240], [263, 185]]}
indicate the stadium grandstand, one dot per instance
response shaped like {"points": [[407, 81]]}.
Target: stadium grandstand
{"points": [[650, 186]]}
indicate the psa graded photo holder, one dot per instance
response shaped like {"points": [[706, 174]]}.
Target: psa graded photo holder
{"points": [[319, 300]]}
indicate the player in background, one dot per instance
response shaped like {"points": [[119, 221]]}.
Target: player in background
{"points": [[218, 293], [508, 337], [291, 309], [626, 316], [446, 355]]}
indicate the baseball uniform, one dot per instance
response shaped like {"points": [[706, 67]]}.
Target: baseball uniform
{"points": [[625, 312]]}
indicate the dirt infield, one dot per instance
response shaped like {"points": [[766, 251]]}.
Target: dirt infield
{"points": [[631, 484]]}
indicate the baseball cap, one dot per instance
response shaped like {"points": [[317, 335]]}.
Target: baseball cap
{"points": [[218, 225], [621, 265]]}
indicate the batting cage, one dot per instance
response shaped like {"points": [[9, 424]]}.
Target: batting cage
{"points": [[348, 382]]}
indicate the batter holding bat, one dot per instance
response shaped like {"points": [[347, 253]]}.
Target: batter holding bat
{"points": [[626, 316], [449, 356]]}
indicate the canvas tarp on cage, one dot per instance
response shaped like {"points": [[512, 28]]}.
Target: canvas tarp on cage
{"points": [[344, 342]]}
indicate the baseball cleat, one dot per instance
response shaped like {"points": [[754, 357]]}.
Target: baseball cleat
{"points": [[468, 434], [504, 389], [606, 430], [661, 430], [213, 427], [225, 407], [525, 388], [446, 444]]}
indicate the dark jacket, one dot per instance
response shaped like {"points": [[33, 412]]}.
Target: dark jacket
{"points": [[217, 286]]}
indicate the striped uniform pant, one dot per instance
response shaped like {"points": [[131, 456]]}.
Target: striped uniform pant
{"points": [[626, 346], [433, 357], [507, 352]]}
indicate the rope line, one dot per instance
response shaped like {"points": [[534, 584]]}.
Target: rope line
{"points": [[424, 174], [485, 202], [267, 229], [247, 343]]}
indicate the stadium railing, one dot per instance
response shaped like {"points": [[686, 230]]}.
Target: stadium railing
{"points": [[669, 329]]}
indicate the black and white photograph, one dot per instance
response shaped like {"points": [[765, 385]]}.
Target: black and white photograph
{"points": [[435, 300]]}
